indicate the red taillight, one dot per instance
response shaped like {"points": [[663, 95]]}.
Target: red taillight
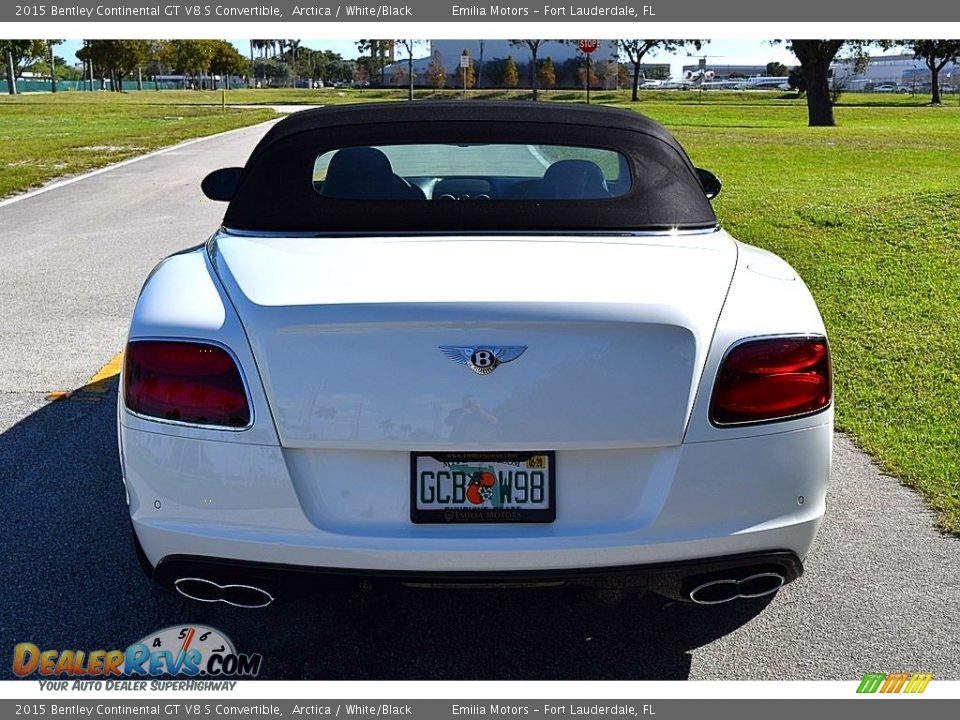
{"points": [[184, 381], [772, 379]]}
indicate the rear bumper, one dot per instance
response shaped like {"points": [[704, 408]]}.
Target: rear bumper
{"points": [[296, 520], [284, 582]]}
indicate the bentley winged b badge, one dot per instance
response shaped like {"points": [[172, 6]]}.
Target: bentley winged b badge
{"points": [[482, 359]]}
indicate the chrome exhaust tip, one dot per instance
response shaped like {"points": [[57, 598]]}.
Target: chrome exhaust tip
{"points": [[208, 591], [716, 592]]}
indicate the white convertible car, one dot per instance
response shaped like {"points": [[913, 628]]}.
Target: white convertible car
{"points": [[473, 343]]}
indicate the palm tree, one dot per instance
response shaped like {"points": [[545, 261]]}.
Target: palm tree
{"points": [[293, 45]]}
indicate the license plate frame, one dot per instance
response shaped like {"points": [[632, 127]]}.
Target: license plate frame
{"points": [[460, 514]]}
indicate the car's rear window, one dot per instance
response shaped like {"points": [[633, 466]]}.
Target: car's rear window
{"points": [[509, 167], [471, 171]]}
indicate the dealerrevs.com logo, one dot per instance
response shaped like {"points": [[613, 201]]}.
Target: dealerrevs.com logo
{"points": [[186, 650]]}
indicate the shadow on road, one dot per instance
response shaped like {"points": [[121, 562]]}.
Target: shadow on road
{"points": [[70, 580]]}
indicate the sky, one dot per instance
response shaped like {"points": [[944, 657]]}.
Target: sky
{"points": [[718, 52]]}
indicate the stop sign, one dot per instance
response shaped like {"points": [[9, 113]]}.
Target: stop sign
{"points": [[587, 46]]}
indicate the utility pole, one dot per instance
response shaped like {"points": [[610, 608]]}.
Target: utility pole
{"points": [[479, 82]]}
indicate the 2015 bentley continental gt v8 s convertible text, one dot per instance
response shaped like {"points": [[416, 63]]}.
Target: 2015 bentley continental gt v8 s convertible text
{"points": [[473, 343]]}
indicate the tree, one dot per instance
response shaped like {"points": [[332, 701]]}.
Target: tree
{"points": [[158, 56], [53, 64], [379, 51], [17, 54], [398, 77], [582, 74], [336, 68], [659, 72], [776, 69], [191, 57], [261, 46], [469, 73], [226, 61], [11, 75], [436, 73], [116, 58], [533, 46], [293, 46], [635, 50], [510, 76], [935, 55], [607, 71], [50, 65], [796, 82], [272, 71], [63, 70], [548, 74], [815, 57], [361, 76], [410, 45]]}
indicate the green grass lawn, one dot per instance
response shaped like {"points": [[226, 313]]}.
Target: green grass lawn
{"points": [[868, 212], [46, 136]]}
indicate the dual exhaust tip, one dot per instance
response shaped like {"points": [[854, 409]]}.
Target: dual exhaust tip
{"points": [[713, 592], [208, 591], [724, 590]]}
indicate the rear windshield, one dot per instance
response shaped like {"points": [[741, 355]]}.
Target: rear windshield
{"points": [[474, 167], [471, 171]]}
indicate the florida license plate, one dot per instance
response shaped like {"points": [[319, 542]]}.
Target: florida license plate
{"points": [[482, 487]]}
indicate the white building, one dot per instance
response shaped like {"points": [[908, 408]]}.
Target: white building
{"points": [[486, 50], [902, 71], [448, 52]]}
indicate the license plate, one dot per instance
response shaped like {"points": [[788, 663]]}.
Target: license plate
{"points": [[482, 487]]}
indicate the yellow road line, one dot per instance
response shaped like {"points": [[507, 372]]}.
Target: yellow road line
{"points": [[111, 369], [96, 385]]}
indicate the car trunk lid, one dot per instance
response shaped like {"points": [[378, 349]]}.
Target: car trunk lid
{"points": [[353, 336]]}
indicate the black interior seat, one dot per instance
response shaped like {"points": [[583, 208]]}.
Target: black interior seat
{"points": [[571, 180], [365, 173], [521, 190]]}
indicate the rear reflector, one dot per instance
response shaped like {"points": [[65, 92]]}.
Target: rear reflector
{"points": [[186, 382], [772, 379]]}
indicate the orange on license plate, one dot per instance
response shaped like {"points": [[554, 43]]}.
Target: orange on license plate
{"points": [[482, 487]]}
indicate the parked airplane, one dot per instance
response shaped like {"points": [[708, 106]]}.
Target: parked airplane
{"points": [[765, 82]]}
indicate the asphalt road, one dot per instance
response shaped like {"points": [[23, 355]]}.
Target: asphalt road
{"points": [[880, 592]]}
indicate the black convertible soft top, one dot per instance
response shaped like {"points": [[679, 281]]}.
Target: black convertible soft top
{"points": [[276, 192]]}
